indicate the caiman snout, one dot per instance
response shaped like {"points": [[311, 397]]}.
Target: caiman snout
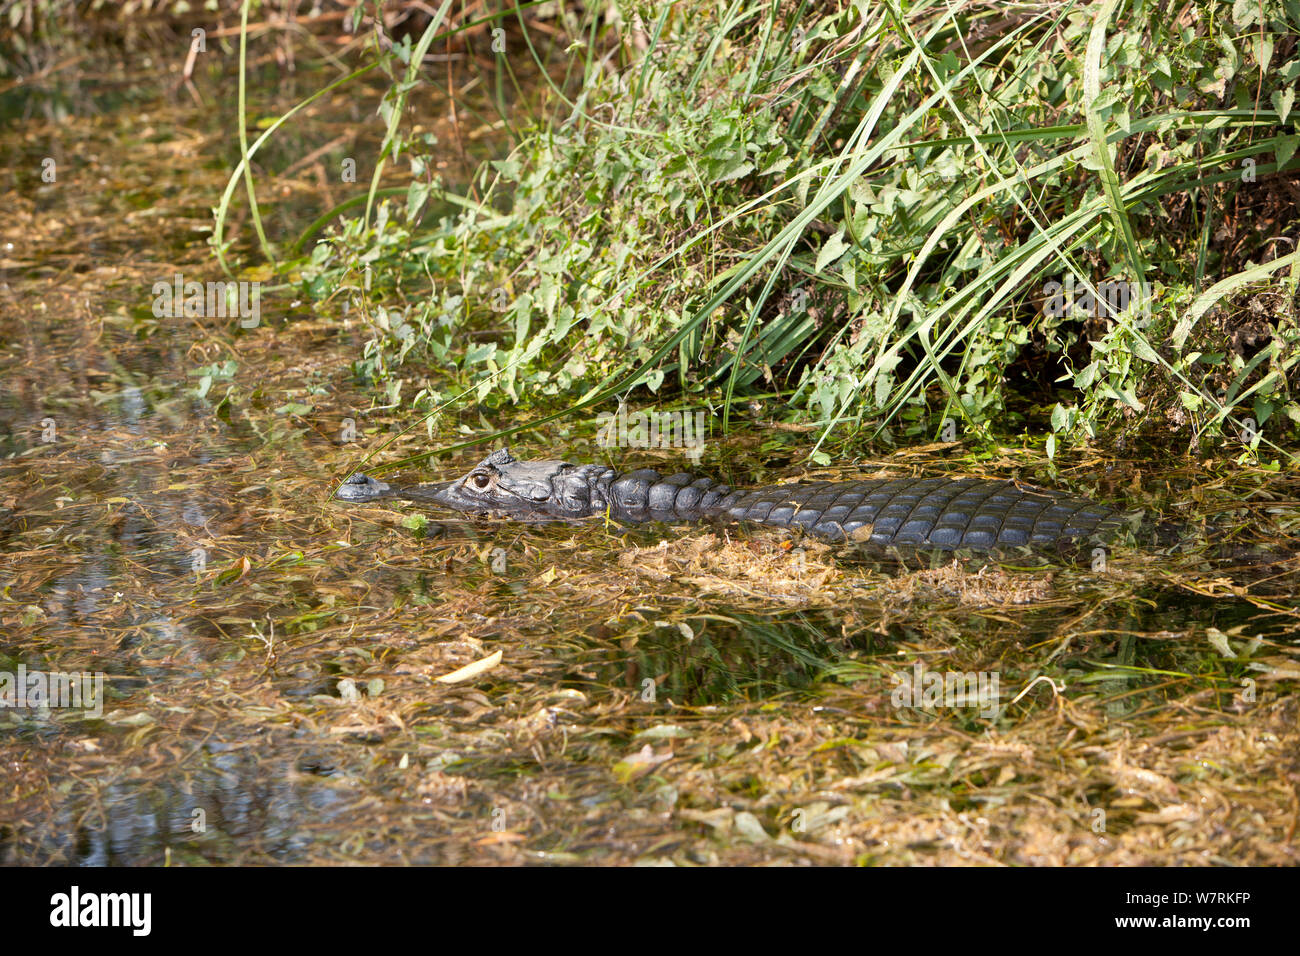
{"points": [[361, 487]]}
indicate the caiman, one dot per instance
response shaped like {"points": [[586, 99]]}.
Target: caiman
{"points": [[944, 514]]}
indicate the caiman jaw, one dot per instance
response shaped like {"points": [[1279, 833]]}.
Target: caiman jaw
{"points": [[455, 495], [362, 489], [448, 494]]}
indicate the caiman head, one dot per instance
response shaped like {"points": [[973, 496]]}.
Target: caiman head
{"points": [[361, 488], [498, 485]]}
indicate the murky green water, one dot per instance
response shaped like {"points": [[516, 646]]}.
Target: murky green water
{"points": [[271, 659]]}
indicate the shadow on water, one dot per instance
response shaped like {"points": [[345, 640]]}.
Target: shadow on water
{"points": [[718, 657], [727, 655]]}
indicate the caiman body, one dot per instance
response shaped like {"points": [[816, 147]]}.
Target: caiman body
{"points": [[946, 514]]}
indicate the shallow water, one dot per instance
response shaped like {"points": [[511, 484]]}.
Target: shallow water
{"points": [[270, 658]]}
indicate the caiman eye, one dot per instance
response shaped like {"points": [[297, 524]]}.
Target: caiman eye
{"points": [[480, 482]]}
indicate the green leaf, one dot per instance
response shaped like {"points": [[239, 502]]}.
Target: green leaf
{"points": [[1286, 146], [416, 196], [834, 247], [1087, 376], [1263, 410], [1282, 101], [1143, 350], [1223, 287], [480, 353], [739, 166]]}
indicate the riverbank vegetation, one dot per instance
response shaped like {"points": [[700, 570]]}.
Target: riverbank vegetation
{"points": [[886, 216], [877, 220]]}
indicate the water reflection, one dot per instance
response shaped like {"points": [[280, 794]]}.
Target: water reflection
{"points": [[236, 807]]}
